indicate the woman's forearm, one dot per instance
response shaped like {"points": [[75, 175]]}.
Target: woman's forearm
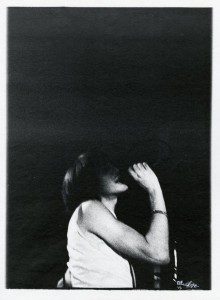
{"points": [[158, 234]]}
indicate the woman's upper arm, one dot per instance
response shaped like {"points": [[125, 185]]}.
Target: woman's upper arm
{"points": [[124, 239]]}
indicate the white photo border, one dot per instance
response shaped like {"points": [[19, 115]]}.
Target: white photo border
{"points": [[214, 293]]}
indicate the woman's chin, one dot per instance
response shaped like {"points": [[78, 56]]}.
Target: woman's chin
{"points": [[123, 188]]}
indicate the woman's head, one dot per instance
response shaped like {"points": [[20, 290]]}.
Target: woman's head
{"points": [[92, 175]]}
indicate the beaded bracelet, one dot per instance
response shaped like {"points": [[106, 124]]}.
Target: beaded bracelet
{"points": [[159, 212]]}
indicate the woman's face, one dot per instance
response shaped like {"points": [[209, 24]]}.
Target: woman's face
{"points": [[110, 182]]}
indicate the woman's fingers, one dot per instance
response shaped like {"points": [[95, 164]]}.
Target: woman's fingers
{"points": [[140, 166], [144, 176], [136, 168], [132, 173], [145, 165]]}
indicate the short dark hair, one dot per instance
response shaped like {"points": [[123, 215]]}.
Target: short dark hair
{"points": [[81, 181]]}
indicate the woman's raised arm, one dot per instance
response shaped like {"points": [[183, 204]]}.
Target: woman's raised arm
{"points": [[154, 246]]}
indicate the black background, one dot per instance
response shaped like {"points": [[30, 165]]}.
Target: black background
{"points": [[132, 81]]}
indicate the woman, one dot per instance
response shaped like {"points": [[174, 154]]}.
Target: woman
{"points": [[99, 244]]}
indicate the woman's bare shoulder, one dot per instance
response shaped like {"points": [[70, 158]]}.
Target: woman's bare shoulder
{"points": [[91, 206], [89, 213], [94, 211]]}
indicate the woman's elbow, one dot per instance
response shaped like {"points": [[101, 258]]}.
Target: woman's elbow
{"points": [[161, 257], [163, 260], [158, 258]]}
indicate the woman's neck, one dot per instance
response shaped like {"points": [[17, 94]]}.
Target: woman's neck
{"points": [[109, 202]]}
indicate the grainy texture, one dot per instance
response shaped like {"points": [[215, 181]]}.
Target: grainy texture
{"points": [[135, 81]]}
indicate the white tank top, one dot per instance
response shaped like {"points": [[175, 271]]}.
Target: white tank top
{"points": [[92, 263]]}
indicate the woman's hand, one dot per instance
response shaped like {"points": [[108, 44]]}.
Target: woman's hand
{"points": [[144, 176]]}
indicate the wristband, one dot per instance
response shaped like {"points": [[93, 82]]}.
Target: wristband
{"points": [[159, 212]]}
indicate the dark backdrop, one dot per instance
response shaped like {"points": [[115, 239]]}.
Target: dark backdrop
{"points": [[134, 81]]}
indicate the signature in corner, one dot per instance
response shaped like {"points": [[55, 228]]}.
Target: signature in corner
{"points": [[187, 285]]}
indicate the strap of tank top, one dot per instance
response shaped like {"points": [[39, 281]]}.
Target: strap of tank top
{"points": [[132, 275]]}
